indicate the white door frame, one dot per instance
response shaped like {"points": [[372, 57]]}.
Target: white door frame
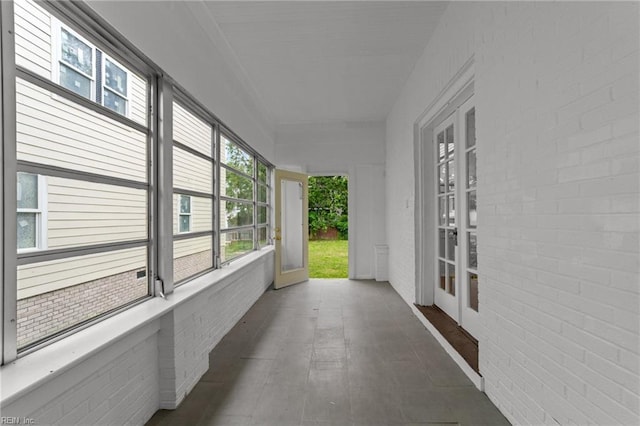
{"points": [[458, 90]]}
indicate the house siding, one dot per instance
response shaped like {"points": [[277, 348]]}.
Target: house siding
{"points": [[556, 93]]}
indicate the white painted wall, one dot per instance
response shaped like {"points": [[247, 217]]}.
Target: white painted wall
{"points": [[353, 149], [556, 92]]}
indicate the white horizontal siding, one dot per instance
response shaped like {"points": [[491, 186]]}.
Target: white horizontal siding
{"points": [[201, 213], [191, 172], [138, 99], [191, 246], [39, 278], [191, 131], [54, 131], [33, 37], [81, 213]]}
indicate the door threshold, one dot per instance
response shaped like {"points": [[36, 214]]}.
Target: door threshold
{"points": [[462, 347]]}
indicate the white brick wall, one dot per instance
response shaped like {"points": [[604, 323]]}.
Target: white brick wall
{"points": [[559, 207], [154, 367]]}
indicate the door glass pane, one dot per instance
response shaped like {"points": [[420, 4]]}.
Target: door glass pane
{"points": [[470, 118], [442, 274], [441, 243], [441, 148], [449, 139], [442, 174], [452, 210], [442, 209], [473, 291], [451, 273], [471, 169], [473, 251], [26, 230], [473, 211], [451, 169], [451, 245], [292, 226]]}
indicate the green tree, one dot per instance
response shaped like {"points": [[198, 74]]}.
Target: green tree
{"points": [[328, 204], [238, 186]]}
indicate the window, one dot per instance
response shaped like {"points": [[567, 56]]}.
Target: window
{"points": [[185, 213], [89, 71], [30, 208]]}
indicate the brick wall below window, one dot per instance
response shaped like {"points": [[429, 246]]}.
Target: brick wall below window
{"points": [[186, 266]]}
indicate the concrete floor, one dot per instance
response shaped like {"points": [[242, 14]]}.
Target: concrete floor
{"points": [[331, 352]]}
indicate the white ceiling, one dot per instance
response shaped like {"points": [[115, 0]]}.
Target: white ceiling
{"points": [[327, 61]]}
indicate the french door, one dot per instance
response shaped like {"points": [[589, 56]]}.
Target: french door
{"points": [[456, 289]]}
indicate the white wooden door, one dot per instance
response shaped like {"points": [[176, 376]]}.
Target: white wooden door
{"points": [[292, 228], [456, 289]]}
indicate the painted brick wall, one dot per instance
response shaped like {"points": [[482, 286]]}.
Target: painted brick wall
{"points": [[153, 367], [559, 206], [187, 266], [45, 314]]}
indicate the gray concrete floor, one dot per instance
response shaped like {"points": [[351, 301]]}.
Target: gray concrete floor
{"points": [[331, 352]]}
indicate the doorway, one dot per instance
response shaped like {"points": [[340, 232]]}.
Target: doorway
{"points": [[328, 227]]}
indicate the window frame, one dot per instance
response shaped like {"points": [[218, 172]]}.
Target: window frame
{"points": [[40, 214]]}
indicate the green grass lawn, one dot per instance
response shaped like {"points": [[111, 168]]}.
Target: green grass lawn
{"points": [[328, 259]]}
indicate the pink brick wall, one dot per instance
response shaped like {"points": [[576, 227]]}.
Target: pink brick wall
{"points": [[186, 266]]}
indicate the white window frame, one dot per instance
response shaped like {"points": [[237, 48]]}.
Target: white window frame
{"points": [[126, 97], [189, 215], [56, 55], [41, 216]]}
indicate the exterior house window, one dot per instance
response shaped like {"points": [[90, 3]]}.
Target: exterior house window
{"points": [[185, 213], [90, 72], [30, 212]]}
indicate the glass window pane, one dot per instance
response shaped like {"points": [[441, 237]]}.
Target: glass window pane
{"points": [[473, 251], [75, 81], [471, 169], [192, 131], [263, 239], [442, 177], [262, 214], [473, 210], [443, 275], [262, 173], [185, 223], [76, 53], [56, 132], [449, 139], [185, 204], [442, 211], [26, 230], [115, 102], [234, 156], [470, 118], [81, 213], [262, 194], [192, 172], [77, 289], [199, 209], [451, 245], [27, 191], [451, 281], [115, 77], [236, 185], [473, 291], [441, 147], [233, 214], [441, 243], [452, 210], [192, 256], [451, 173], [235, 243]]}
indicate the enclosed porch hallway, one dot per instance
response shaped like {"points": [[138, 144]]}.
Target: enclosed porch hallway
{"points": [[331, 352]]}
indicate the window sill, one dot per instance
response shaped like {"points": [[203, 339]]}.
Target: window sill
{"points": [[35, 369]]}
